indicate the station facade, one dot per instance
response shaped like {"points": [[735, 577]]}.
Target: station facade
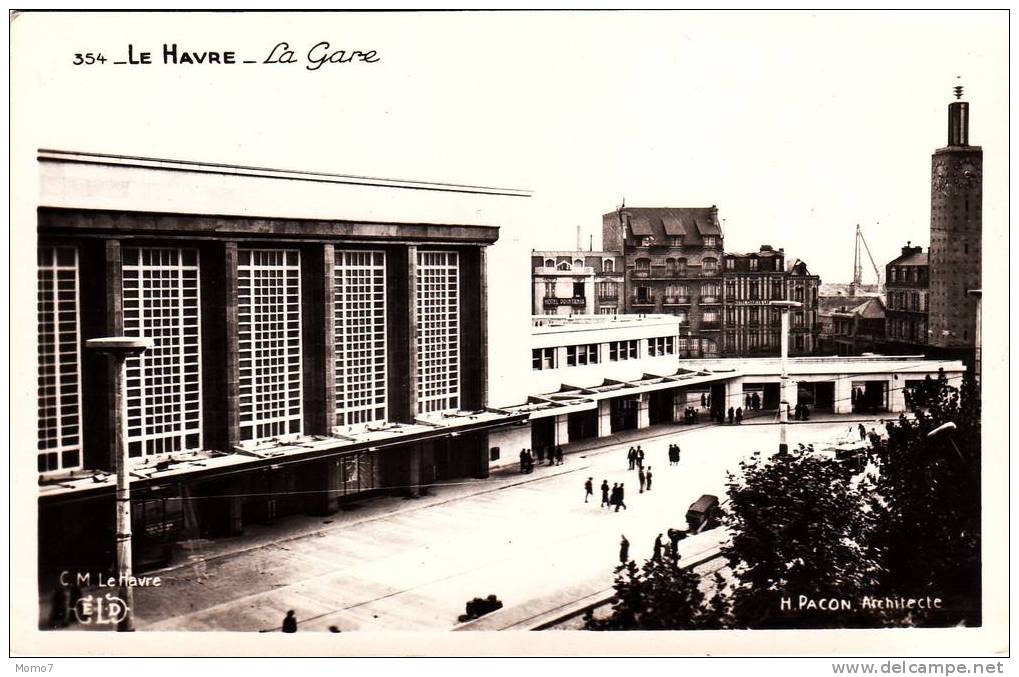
{"points": [[302, 356]]}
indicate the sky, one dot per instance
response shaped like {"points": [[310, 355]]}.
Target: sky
{"points": [[798, 126]]}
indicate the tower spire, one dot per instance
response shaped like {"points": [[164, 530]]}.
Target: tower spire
{"points": [[958, 119]]}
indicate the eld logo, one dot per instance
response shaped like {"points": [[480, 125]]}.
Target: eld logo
{"points": [[94, 610]]}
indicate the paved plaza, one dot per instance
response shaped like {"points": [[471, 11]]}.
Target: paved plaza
{"points": [[412, 565]]}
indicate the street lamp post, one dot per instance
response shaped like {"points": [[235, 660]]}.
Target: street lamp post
{"points": [[783, 405], [119, 348]]}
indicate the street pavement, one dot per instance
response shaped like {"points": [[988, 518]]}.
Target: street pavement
{"points": [[413, 567]]}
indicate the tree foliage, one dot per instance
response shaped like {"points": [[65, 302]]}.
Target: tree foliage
{"points": [[929, 507], [798, 528]]}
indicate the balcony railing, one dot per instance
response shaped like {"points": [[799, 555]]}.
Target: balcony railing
{"points": [[641, 273], [676, 300], [710, 300], [637, 301], [609, 297]]}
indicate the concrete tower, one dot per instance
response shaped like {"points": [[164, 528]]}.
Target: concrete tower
{"points": [[956, 199]]}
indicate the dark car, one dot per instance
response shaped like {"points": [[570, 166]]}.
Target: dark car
{"points": [[703, 514]]}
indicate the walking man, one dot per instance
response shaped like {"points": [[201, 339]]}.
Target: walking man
{"points": [[588, 488], [647, 478], [732, 415], [605, 494], [640, 457], [640, 479], [523, 460], [558, 455], [863, 431], [657, 556], [624, 550], [622, 498], [739, 415]]}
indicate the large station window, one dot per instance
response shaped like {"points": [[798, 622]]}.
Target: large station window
{"points": [[438, 341], [164, 384], [359, 314], [59, 446], [269, 342]]}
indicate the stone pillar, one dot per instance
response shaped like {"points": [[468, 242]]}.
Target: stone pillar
{"points": [[414, 471], [604, 418], [643, 415], [562, 429], [235, 523], [896, 395], [843, 394]]}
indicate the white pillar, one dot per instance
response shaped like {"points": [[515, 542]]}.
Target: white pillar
{"points": [[562, 429], [783, 405], [643, 415], [604, 418], [843, 394], [896, 395]]}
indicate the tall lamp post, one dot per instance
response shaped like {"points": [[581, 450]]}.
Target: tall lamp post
{"points": [[119, 348], [783, 405]]}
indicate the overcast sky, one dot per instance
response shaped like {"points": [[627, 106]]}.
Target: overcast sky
{"points": [[796, 126]]}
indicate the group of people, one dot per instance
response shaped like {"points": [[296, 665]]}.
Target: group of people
{"points": [[555, 457], [690, 415], [735, 415], [635, 457], [614, 497], [673, 454], [801, 412], [752, 401], [675, 536]]}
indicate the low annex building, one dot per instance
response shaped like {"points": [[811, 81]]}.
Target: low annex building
{"points": [[595, 376]]}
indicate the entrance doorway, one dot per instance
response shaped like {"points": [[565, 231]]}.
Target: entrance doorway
{"points": [[870, 397], [623, 413], [820, 395], [543, 433], [582, 424], [660, 406]]}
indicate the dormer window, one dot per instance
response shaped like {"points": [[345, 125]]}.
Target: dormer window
{"points": [[549, 263], [710, 242], [754, 263]]}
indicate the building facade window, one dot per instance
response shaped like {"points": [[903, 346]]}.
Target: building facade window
{"points": [[754, 263], [563, 265], [542, 358], [710, 242], [269, 342], [661, 345], [642, 294], [709, 266], [549, 289], [608, 266], [683, 316], [549, 263], [359, 319], [730, 289], [59, 445], [438, 342], [710, 317], [607, 290], [622, 350], [642, 267], [161, 303], [730, 264], [581, 355], [710, 292], [776, 289], [754, 290]]}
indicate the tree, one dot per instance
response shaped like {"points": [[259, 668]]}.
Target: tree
{"points": [[929, 506], [799, 527], [658, 596]]}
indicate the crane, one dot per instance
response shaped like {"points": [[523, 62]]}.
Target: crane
{"points": [[858, 262]]}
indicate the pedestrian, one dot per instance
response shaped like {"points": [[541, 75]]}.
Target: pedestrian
{"points": [[290, 622], [647, 479], [523, 460], [640, 479], [739, 415], [657, 556], [624, 550], [631, 457], [704, 401], [732, 415], [614, 498], [708, 404], [605, 494], [588, 488], [640, 457], [863, 431], [756, 402], [746, 401], [622, 498], [675, 535], [558, 455]]}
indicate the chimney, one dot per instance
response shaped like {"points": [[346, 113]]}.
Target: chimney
{"points": [[958, 120], [578, 237]]}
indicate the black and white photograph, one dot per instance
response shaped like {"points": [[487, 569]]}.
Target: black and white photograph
{"points": [[406, 333]]}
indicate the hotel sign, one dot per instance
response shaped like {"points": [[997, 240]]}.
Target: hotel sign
{"points": [[552, 302]]}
